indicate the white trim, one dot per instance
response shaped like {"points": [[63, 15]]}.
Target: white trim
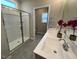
{"points": [[34, 15], [41, 6], [33, 24], [48, 16]]}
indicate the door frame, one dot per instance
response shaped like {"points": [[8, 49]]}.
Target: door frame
{"points": [[35, 19]]}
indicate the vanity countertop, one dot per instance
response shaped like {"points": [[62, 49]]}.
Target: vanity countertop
{"points": [[50, 47]]}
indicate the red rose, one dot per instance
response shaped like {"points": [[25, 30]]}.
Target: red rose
{"points": [[60, 22], [74, 23], [70, 23], [64, 24]]}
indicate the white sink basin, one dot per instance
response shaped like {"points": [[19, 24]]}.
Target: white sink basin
{"points": [[52, 48]]}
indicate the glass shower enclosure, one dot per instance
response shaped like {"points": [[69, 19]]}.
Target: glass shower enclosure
{"points": [[25, 22], [16, 23]]}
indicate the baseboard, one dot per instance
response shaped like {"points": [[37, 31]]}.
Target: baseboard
{"points": [[32, 38], [40, 33]]}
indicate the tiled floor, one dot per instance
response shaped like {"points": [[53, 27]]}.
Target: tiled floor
{"points": [[26, 51]]}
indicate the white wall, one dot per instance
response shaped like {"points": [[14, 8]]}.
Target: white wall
{"points": [[56, 10], [28, 6]]}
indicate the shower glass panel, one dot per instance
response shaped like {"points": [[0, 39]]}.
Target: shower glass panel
{"points": [[25, 21], [13, 27]]}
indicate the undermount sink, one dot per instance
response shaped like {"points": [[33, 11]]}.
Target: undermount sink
{"points": [[52, 47]]}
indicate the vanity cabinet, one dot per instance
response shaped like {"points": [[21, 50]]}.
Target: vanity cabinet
{"points": [[39, 57]]}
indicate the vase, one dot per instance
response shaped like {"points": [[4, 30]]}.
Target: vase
{"points": [[73, 37], [59, 35]]}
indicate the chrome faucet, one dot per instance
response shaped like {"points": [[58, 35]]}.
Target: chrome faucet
{"points": [[65, 45]]}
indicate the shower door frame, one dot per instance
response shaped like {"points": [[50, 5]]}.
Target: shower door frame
{"points": [[21, 24]]}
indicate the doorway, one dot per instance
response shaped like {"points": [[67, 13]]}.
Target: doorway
{"points": [[41, 20]]}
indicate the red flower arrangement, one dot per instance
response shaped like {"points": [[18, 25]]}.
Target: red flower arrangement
{"points": [[73, 24], [60, 23]]}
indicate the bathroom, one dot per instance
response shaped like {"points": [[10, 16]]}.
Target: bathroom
{"points": [[28, 29]]}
